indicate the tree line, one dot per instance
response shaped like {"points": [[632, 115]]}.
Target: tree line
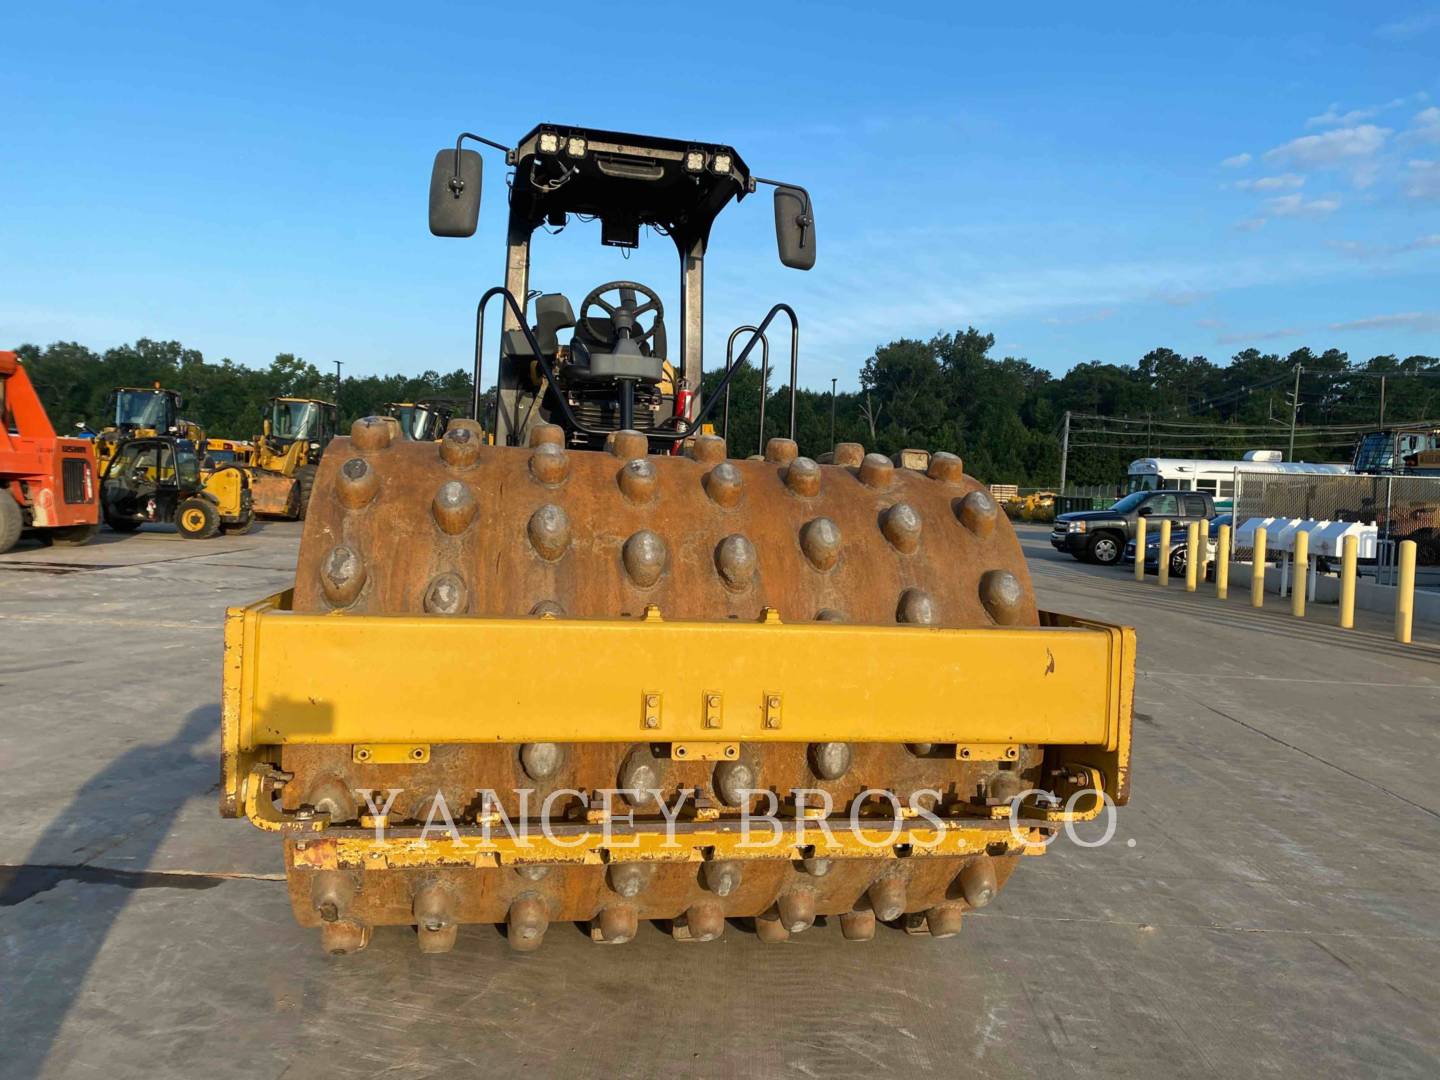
{"points": [[1003, 415]]}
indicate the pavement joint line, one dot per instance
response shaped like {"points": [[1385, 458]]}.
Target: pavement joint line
{"points": [[1316, 757], [101, 567], [25, 881], [1284, 679], [1219, 927], [59, 619]]}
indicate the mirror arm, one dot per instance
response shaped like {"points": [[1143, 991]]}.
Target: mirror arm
{"points": [[456, 184]]}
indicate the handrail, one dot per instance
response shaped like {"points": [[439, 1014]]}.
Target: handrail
{"points": [[764, 381], [574, 422]]}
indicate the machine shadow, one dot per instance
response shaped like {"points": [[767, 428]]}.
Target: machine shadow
{"points": [[43, 972]]}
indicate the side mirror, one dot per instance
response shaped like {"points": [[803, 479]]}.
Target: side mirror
{"points": [[265, 427], [1145, 511], [794, 227], [455, 192]]}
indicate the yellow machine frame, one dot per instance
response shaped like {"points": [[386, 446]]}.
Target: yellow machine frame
{"points": [[392, 686]]}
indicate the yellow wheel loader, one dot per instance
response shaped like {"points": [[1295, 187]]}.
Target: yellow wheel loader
{"points": [[600, 671], [143, 412], [294, 434], [423, 421]]}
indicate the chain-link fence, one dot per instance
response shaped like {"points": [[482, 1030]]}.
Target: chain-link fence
{"points": [[1400, 507], [1087, 497]]}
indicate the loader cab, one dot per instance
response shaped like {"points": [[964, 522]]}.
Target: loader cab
{"points": [[421, 421], [605, 361], [308, 420], [155, 410]]}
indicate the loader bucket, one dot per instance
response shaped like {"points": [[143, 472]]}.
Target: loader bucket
{"points": [[275, 495]]}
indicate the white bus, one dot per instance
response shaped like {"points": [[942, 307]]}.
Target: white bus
{"points": [[1216, 477]]}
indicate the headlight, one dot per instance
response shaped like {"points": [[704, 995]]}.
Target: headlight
{"points": [[575, 147], [1077, 526], [694, 161], [720, 163], [549, 143]]}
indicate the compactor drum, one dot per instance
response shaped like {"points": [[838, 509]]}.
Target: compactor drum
{"points": [[532, 682]]}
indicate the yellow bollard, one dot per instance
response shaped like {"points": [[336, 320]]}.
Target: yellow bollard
{"points": [[1405, 595], [1140, 549], [1349, 553], [1222, 563], [1163, 553], [1257, 570], [1299, 578], [1192, 557]]}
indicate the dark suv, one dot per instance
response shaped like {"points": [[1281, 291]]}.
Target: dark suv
{"points": [[1100, 536]]}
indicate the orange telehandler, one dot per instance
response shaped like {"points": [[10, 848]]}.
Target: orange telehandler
{"points": [[47, 484]]}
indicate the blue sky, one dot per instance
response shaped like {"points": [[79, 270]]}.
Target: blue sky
{"points": [[1084, 182]]}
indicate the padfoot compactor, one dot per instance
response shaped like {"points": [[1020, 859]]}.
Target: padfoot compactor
{"points": [[615, 676]]}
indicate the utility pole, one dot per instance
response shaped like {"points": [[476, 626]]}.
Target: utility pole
{"points": [[1294, 413], [1382, 401], [337, 381], [833, 381], [1064, 450]]}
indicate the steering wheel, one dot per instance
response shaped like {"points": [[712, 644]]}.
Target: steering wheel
{"points": [[624, 315]]}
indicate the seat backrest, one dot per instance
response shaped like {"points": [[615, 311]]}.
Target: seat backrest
{"points": [[553, 313]]}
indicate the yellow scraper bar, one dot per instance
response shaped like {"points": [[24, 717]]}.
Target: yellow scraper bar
{"points": [[423, 680]]}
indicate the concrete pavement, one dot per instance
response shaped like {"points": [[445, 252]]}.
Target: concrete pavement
{"points": [[1270, 905]]}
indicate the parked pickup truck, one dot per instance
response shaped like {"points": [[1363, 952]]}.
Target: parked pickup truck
{"points": [[1100, 536]]}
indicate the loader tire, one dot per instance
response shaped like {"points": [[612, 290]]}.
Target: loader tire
{"points": [[240, 527], [306, 476], [11, 521], [197, 519]]}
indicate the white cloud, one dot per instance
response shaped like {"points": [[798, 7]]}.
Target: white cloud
{"points": [[1422, 179], [1427, 125], [1377, 251], [1258, 335], [1185, 297], [1250, 224], [1299, 206], [1341, 146], [1403, 29], [1332, 117], [1283, 182], [1235, 161], [1410, 320], [1099, 315]]}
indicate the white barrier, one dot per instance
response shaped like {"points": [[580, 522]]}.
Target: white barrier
{"points": [[1329, 539], [1325, 539]]}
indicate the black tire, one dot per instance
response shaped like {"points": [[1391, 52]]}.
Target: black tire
{"points": [[1104, 549], [122, 525], [72, 535], [1178, 559], [12, 521], [241, 527], [306, 476], [197, 519]]}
